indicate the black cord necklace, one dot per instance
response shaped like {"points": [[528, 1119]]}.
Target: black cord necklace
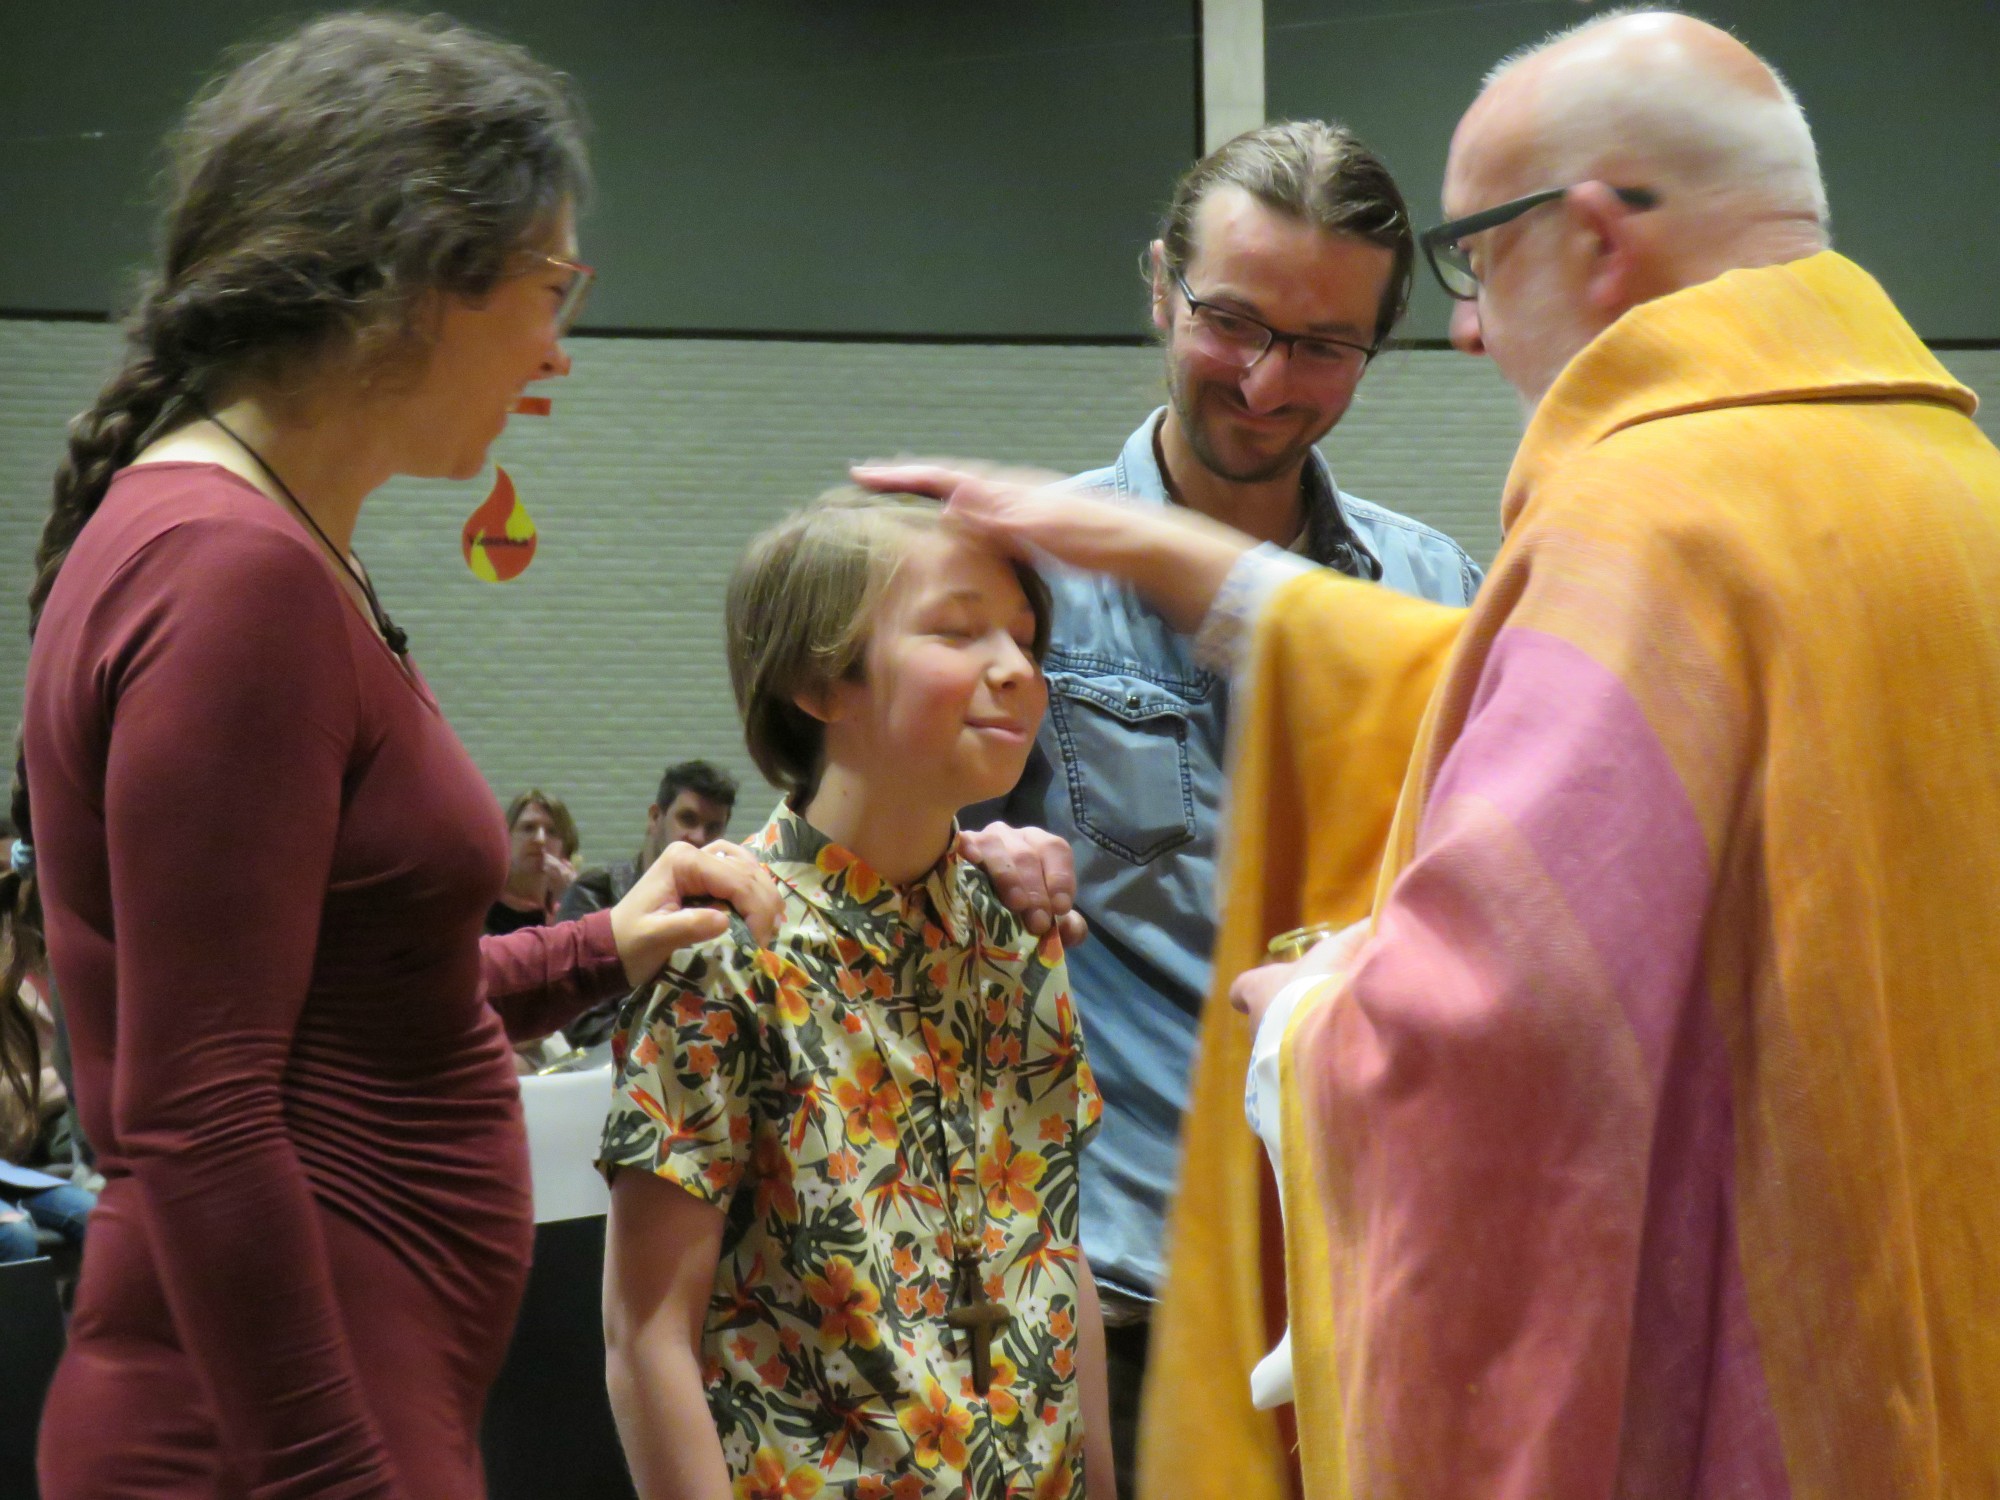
{"points": [[393, 635]]}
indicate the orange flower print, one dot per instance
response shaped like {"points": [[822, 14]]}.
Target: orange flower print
{"points": [[950, 1055], [1003, 1051], [1009, 1177], [1054, 1129], [770, 1479], [999, 1398], [908, 1303], [701, 1060], [937, 1425], [720, 1025], [935, 1301], [793, 984], [1059, 1478], [645, 1051], [904, 1259], [870, 1487], [742, 1348], [847, 1304], [843, 869], [872, 1102], [1063, 1361], [1062, 1325], [774, 1372], [689, 1007], [843, 1165], [772, 1167]]}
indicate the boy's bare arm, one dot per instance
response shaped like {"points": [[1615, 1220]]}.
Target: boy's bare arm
{"points": [[660, 1251], [1093, 1389]]}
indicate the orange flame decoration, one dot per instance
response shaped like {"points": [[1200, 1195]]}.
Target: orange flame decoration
{"points": [[499, 537]]}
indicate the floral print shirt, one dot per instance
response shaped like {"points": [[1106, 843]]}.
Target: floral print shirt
{"points": [[804, 1089]]}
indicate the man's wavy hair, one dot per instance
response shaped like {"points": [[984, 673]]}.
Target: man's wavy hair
{"points": [[1312, 171]]}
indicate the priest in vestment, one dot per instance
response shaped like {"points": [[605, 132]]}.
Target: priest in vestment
{"points": [[1649, 1145]]}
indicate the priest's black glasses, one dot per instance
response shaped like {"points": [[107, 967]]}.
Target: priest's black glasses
{"points": [[1448, 259]]}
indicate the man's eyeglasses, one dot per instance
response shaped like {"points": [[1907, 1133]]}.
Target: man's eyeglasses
{"points": [[1243, 340], [574, 294], [1445, 250]]}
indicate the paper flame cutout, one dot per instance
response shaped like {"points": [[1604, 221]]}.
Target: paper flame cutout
{"points": [[499, 537]]}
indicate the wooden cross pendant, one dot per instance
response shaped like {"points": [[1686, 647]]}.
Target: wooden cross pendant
{"points": [[979, 1318]]}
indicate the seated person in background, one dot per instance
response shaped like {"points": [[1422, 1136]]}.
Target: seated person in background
{"points": [[542, 840], [848, 1259], [35, 1187], [692, 807]]}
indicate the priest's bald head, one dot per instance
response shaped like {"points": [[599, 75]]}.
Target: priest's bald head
{"points": [[1658, 152]]}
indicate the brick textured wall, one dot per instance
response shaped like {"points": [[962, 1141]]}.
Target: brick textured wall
{"points": [[604, 660]]}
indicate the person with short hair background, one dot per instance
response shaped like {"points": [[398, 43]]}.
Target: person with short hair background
{"points": [[693, 807], [842, 1247], [543, 843]]}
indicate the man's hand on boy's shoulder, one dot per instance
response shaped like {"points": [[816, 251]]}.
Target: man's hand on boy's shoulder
{"points": [[1033, 874]]}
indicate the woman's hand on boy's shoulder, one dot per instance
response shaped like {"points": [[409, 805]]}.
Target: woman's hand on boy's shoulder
{"points": [[685, 898], [1033, 874]]}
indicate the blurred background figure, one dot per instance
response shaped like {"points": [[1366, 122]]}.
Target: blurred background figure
{"points": [[542, 843], [693, 806], [42, 1207]]}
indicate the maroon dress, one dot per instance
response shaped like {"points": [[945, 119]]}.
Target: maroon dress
{"points": [[265, 860]]}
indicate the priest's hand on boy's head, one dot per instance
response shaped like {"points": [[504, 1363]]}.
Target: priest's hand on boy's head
{"points": [[1017, 511], [685, 898], [1034, 875]]}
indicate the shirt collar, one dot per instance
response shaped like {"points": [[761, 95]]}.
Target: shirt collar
{"points": [[845, 889], [1327, 536], [1815, 329]]}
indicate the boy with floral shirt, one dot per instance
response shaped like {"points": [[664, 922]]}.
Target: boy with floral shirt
{"points": [[849, 1265]]}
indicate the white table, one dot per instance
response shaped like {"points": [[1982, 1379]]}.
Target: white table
{"points": [[565, 1122]]}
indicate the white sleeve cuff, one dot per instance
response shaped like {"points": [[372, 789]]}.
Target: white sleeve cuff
{"points": [[1261, 1103], [1222, 642]]}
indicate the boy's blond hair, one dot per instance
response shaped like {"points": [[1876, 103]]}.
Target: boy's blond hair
{"points": [[801, 604]]}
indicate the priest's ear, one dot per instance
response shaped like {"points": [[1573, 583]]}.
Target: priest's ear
{"points": [[1620, 274]]}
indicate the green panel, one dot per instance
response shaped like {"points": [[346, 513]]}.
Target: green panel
{"points": [[879, 166], [1903, 100]]}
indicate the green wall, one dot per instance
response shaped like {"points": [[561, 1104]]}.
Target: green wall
{"points": [[939, 167], [874, 166], [1904, 99]]}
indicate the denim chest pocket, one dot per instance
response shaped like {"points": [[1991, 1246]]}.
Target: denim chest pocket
{"points": [[1125, 754]]}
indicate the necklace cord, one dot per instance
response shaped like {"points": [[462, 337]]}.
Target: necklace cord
{"points": [[393, 636]]}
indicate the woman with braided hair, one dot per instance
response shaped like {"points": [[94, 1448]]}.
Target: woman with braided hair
{"points": [[263, 856]]}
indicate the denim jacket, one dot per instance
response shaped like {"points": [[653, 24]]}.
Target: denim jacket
{"points": [[1129, 767]]}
